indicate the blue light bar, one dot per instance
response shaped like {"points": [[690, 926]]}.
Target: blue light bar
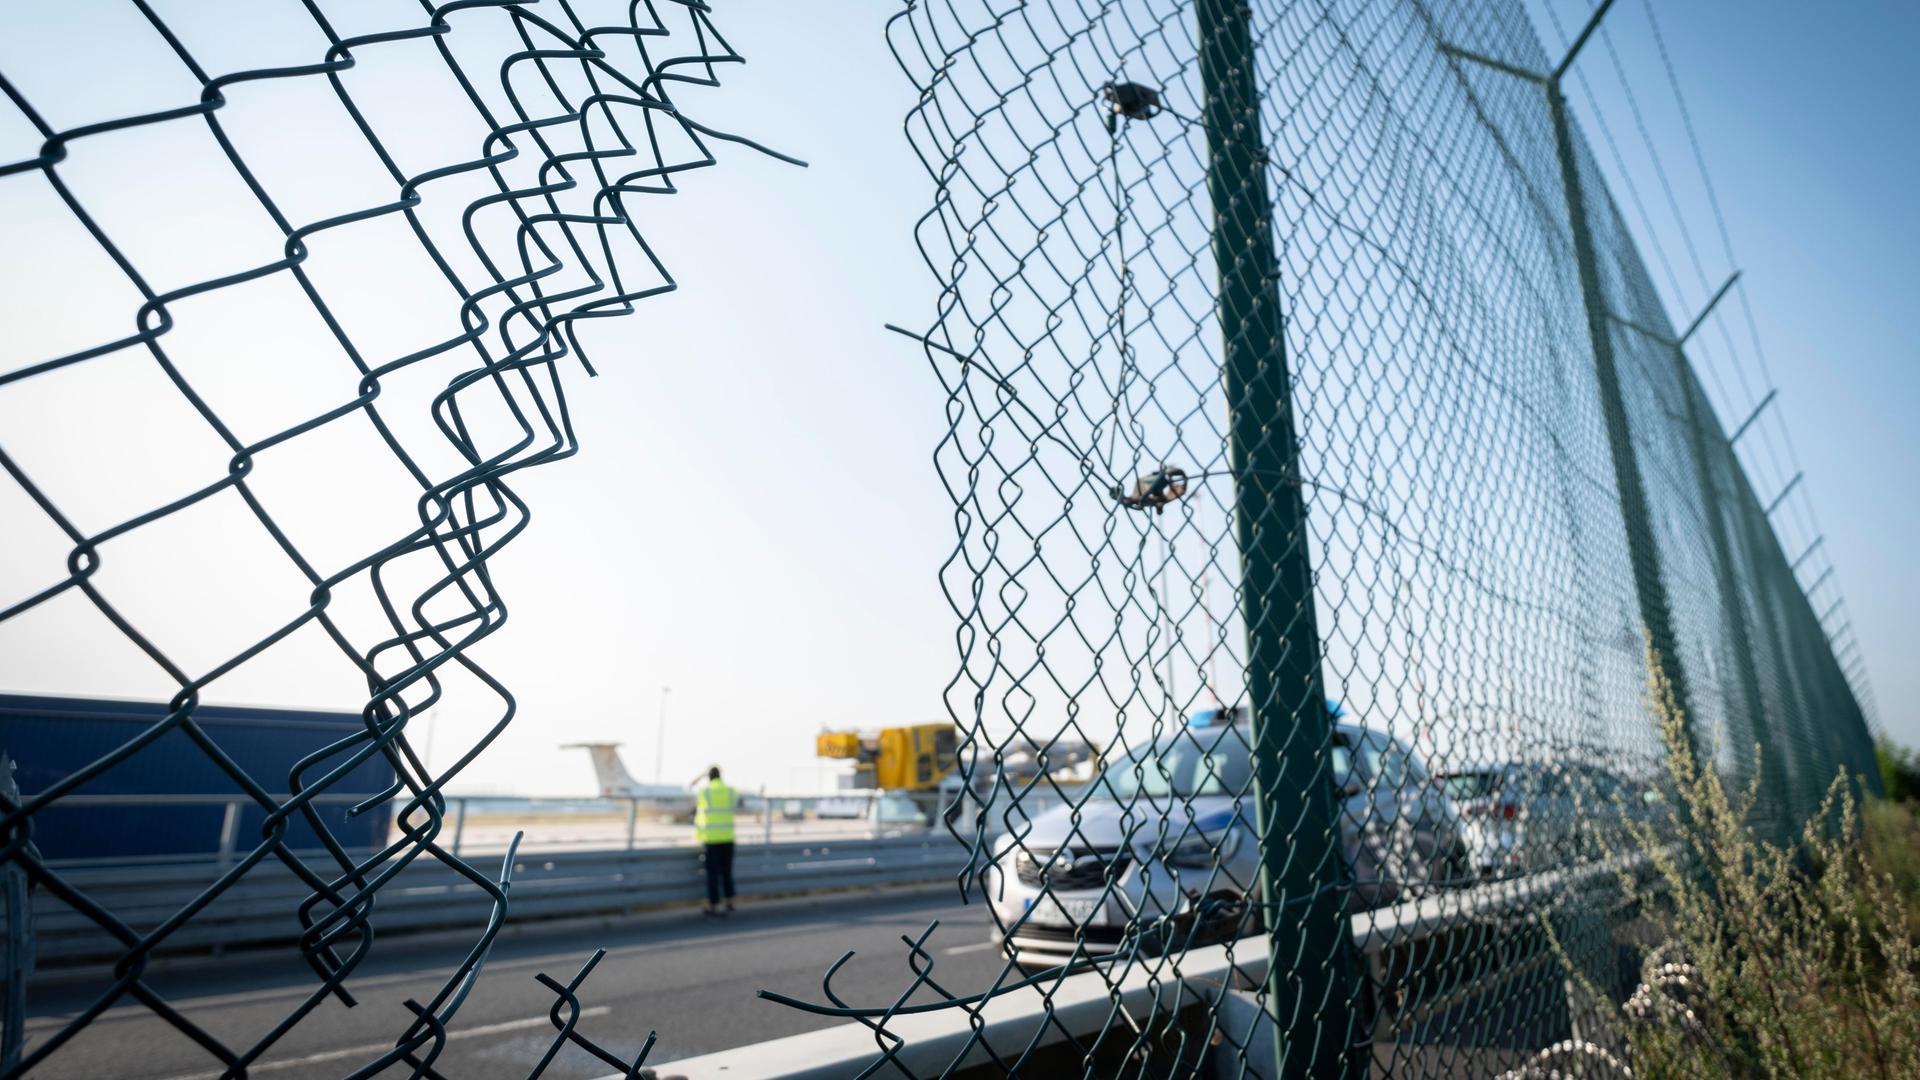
{"points": [[1216, 716]]}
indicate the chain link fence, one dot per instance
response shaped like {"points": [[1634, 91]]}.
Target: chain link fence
{"points": [[1321, 457], [1328, 482], [484, 163]]}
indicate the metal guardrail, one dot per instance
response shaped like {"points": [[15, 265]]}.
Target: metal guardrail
{"points": [[596, 824], [261, 910], [788, 844]]}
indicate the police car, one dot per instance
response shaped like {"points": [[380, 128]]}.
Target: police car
{"points": [[1163, 854]]}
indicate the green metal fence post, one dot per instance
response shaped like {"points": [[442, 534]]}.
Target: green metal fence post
{"points": [[1705, 450], [1796, 701], [1643, 551], [1778, 816], [1311, 983], [1837, 721]]}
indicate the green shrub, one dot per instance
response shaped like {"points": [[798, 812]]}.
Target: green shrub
{"points": [[1795, 961], [1899, 771], [1892, 840]]}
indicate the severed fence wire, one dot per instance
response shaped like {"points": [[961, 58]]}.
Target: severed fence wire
{"points": [[498, 230], [1327, 472]]}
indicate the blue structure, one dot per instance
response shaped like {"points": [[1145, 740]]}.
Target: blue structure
{"points": [[50, 738]]}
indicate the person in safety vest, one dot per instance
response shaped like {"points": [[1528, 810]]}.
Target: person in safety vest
{"points": [[713, 809]]}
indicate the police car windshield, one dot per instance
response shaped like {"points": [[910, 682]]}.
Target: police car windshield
{"points": [[1194, 762]]}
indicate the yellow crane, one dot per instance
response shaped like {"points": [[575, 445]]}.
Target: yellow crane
{"points": [[912, 758]]}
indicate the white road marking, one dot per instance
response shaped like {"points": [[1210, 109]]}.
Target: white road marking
{"points": [[977, 946], [377, 1048], [361, 983]]}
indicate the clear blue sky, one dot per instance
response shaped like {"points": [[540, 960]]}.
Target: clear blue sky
{"points": [[772, 547]]}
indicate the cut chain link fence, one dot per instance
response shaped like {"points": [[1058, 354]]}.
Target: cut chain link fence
{"points": [[552, 127], [1328, 482], [1325, 467]]}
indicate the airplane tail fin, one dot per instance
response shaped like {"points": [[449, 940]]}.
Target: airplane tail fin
{"points": [[608, 769]]}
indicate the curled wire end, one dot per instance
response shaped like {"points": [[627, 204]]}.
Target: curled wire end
{"points": [[375, 801], [1154, 490]]}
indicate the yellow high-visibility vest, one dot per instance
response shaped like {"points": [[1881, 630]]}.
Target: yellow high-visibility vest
{"points": [[713, 813]]}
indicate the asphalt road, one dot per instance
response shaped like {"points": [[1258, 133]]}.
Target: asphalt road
{"points": [[691, 979]]}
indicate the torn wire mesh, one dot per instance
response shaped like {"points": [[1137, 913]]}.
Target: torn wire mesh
{"points": [[497, 232]]}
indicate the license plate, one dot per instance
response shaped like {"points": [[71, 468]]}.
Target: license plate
{"points": [[1068, 910]]}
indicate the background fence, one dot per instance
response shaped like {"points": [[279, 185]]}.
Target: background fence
{"points": [[551, 885], [1301, 371]]}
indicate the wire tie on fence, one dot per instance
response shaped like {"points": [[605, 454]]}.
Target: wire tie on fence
{"points": [[1154, 490], [1131, 100]]}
